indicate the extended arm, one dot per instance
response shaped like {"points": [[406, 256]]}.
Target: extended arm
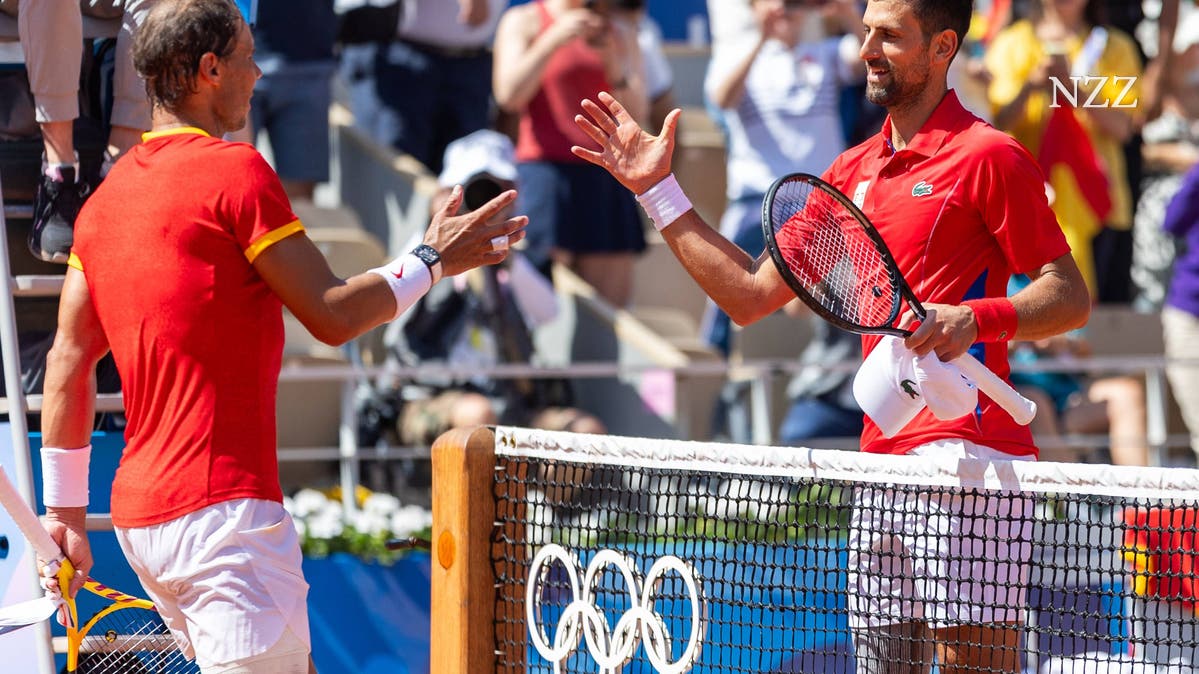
{"points": [[68, 411], [521, 52], [726, 92], [745, 288], [335, 311]]}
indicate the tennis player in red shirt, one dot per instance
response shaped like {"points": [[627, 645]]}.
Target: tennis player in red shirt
{"points": [[962, 207], [182, 263]]}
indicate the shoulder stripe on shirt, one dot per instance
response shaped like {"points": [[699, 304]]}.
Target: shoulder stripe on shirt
{"points": [[271, 238]]}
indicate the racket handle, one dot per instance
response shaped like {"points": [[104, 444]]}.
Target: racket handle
{"points": [[30, 526], [1022, 409]]}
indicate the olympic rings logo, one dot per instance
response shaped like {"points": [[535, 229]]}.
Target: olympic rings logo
{"points": [[612, 647]]}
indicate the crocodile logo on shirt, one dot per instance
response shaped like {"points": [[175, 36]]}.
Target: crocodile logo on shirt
{"points": [[922, 189], [909, 387]]}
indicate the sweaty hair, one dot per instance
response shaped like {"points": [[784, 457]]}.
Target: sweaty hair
{"points": [[168, 46], [938, 15]]}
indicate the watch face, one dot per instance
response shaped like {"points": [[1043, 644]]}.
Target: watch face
{"points": [[427, 255]]}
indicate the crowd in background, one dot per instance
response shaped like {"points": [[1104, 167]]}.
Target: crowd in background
{"points": [[1103, 93]]}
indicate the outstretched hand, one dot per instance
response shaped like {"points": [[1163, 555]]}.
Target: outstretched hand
{"points": [[479, 237], [638, 160]]}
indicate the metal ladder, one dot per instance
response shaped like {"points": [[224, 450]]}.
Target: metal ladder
{"points": [[16, 404]]}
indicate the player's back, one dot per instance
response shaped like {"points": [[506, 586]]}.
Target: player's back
{"points": [[197, 335]]}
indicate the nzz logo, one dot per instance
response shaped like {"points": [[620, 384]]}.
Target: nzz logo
{"points": [[1096, 84]]}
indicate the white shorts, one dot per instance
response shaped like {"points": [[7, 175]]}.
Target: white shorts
{"points": [[226, 579], [939, 557]]}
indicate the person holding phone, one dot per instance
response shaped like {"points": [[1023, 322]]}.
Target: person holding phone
{"points": [[549, 55]]}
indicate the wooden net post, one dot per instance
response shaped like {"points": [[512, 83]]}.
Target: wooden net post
{"points": [[466, 602]]}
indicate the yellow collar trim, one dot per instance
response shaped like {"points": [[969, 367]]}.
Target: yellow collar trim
{"points": [[151, 135]]}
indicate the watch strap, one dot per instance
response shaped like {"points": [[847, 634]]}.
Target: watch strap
{"points": [[431, 258]]}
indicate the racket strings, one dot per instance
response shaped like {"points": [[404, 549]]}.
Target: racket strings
{"points": [[132, 641], [832, 256]]}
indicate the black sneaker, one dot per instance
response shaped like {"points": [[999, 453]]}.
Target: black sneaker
{"points": [[54, 209]]}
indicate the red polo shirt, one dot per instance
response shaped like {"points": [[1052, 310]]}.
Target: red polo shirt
{"points": [[167, 245], [961, 208]]}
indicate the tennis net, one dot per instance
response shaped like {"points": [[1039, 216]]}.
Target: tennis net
{"points": [[607, 554]]}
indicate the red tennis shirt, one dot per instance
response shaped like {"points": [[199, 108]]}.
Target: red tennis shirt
{"points": [[961, 208], [166, 244]]}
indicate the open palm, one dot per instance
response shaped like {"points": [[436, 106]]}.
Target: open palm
{"points": [[638, 160]]}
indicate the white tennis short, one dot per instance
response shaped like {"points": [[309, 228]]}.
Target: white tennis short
{"points": [[226, 579], [939, 557]]}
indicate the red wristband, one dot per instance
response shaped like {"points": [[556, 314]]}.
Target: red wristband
{"points": [[995, 317]]}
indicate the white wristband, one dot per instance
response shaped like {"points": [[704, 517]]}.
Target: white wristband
{"points": [[64, 476], [665, 202], [409, 279]]}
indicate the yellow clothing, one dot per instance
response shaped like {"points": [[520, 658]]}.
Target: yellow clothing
{"points": [[1016, 52]]}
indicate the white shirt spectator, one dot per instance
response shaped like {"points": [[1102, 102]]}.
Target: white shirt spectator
{"points": [[435, 22], [788, 119], [732, 25], [659, 78]]}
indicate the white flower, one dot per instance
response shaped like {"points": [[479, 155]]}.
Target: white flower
{"points": [[301, 527], [325, 525], [382, 505], [330, 510], [370, 522], [306, 502], [410, 519]]}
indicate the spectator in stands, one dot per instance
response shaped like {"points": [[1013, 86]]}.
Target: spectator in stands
{"points": [[477, 320], [1031, 63], [1072, 404], [294, 49], [658, 75], [51, 34], [549, 55], [779, 101], [364, 27], [1180, 316], [186, 255], [434, 78], [1069, 403], [1171, 148], [822, 404]]}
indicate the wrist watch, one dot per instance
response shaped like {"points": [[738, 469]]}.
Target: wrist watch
{"points": [[432, 259]]}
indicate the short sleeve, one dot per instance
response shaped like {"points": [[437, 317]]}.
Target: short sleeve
{"points": [[255, 207], [1182, 213], [1011, 193]]}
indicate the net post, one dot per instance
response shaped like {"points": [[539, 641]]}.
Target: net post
{"points": [[462, 578]]}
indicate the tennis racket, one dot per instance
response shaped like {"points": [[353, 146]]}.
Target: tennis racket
{"points": [[126, 636], [836, 262]]}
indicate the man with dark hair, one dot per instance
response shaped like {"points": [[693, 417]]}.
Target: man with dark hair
{"points": [[183, 260], [961, 207], [936, 16]]}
